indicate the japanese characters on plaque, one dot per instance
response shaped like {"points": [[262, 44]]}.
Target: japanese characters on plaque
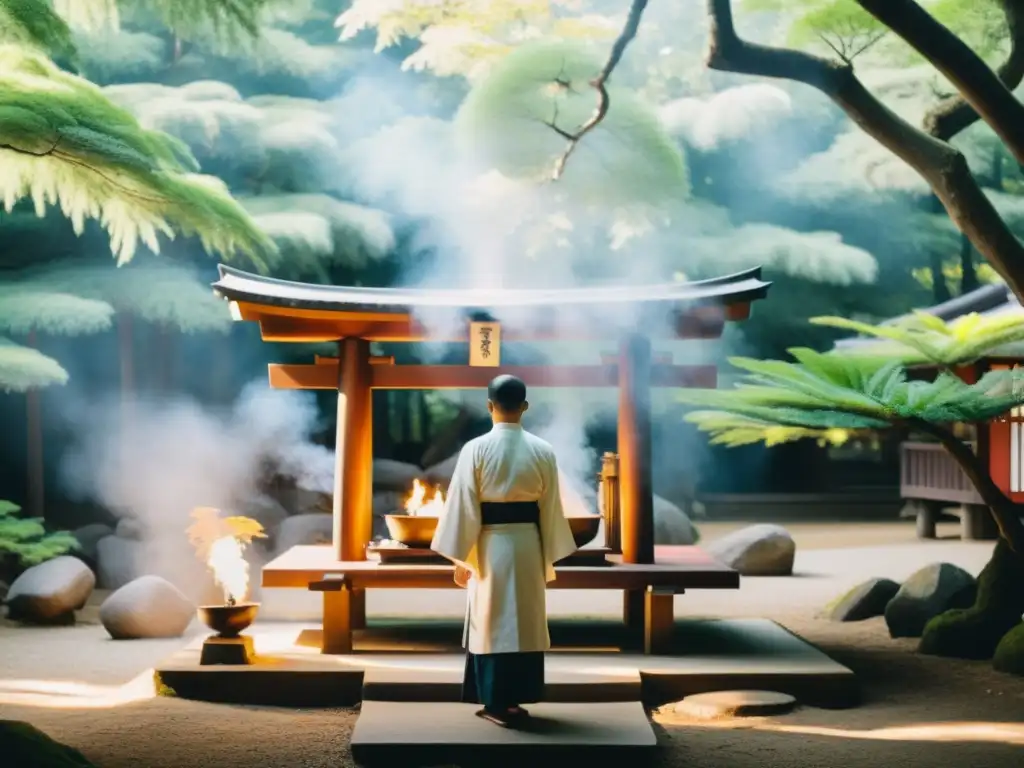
{"points": [[485, 345]]}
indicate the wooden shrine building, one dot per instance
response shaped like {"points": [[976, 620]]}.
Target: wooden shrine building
{"points": [[354, 317]]}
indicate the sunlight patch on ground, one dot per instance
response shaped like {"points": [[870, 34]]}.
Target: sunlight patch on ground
{"points": [[68, 694], [955, 731]]}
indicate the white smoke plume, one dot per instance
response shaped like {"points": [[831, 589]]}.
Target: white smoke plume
{"points": [[152, 461]]}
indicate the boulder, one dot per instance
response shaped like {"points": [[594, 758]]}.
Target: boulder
{"points": [[266, 511], [88, 536], [388, 503], [147, 607], [928, 592], [300, 501], [864, 601], [391, 475], [118, 561], [1009, 654], [304, 529], [671, 524], [25, 746], [51, 592], [974, 632], [130, 528], [757, 550], [441, 473]]}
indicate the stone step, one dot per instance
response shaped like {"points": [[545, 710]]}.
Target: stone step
{"points": [[391, 733], [438, 677]]}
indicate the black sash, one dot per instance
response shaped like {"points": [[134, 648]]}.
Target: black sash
{"points": [[502, 512]]}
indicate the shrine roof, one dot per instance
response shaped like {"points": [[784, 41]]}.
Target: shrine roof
{"points": [[239, 286]]}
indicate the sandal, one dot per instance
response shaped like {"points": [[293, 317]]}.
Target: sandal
{"points": [[493, 717], [519, 712]]}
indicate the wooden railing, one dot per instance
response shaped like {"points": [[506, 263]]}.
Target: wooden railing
{"points": [[928, 472]]}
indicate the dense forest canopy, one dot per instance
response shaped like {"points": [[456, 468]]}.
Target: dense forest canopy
{"points": [[377, 142]]}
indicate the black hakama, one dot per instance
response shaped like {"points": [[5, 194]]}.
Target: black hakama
{"points": [[500, 681]]}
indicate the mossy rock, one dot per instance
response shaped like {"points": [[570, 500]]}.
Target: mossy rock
{"points": [[974, 633], [864, 601], [25, 746], [1009, 655]]}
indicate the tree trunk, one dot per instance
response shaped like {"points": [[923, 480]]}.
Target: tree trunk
{"points": [[940, 289], [34, 455], [1007, 513], [968, 274], [126, 355]]}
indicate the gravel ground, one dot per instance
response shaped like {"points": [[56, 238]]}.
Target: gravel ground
{"points": [[95, 694]]}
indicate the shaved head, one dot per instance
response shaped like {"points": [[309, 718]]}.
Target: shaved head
{"points": [[507, 394]]}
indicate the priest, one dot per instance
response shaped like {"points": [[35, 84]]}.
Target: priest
{"points": [[504, 528]]}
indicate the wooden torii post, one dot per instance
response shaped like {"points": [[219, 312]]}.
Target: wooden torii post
{"points": [[354, 317]]}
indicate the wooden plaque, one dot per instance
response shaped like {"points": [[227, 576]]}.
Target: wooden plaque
{"points": [[485, 345]]}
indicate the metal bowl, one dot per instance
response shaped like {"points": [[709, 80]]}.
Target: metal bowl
{"points": [[584, 528], [228, 620], [412, 530]]}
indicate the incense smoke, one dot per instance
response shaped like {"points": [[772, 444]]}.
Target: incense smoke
{"points": [[152, 461]]}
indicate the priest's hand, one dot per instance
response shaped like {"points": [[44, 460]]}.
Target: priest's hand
{"points": [[462, 575]]}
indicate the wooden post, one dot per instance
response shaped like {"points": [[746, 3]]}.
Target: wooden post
{"points": [[636, 492], [353, 472], [36, 464], [609, 478], [353, 469], [659, 620]]}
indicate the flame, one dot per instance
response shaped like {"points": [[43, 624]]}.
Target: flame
{"points": [[221, 543], [230, 569], [417, 503]]}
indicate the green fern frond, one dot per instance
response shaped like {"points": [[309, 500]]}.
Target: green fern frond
{"points": [[27, 539], [63, 143], [733, 430], [24, 368], [782, 395], [927, 338]]}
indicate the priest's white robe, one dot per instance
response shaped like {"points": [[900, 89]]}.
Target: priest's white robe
{"points": [[510, 563]]}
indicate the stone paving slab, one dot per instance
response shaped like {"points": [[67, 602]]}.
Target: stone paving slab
{"points": [[391, 733]]}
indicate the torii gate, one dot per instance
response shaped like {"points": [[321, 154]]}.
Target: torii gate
{"points": [[353, 317]]}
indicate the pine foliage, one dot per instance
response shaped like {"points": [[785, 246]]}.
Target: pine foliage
{"points": [[27, 540], [63, 143], [35, 24], [315, 231], [23, 368], [924, 338], [825, 395], [151, 289], [232, 21], [466, 37], [506, 122], [25, 308]]}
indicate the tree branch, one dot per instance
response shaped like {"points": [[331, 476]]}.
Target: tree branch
{"points": [[954, 114], [29, 152], [1005, 512], [943, 167], [969, 74], [629, 30]]}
